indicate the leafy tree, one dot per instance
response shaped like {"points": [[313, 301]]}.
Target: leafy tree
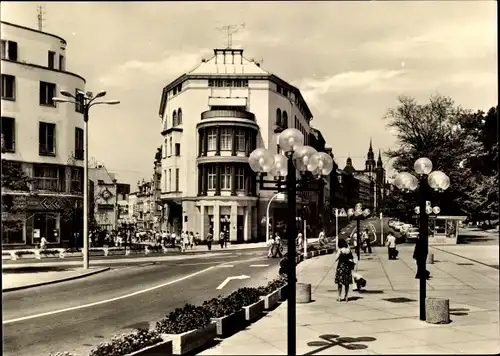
{"points": [[452, 138], [13, 176]]}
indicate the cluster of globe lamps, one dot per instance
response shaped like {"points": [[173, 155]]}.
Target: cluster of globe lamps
{"points": [[437, 180]]}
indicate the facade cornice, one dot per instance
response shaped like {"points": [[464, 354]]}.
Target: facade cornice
{"points": [[221, 159], [45, 68], [33, 30]]}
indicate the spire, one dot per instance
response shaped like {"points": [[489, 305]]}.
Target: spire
{"points": [[370, 149], [379, 160]]}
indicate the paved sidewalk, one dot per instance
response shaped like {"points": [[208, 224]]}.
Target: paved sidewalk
{"points": [[16, 281], [371, 323]]}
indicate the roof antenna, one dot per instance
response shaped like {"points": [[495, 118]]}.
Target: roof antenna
{"points": [[231, 30], [40, 17]]}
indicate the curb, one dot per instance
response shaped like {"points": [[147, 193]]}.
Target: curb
{"points": [[465, 258], [90, 273]]}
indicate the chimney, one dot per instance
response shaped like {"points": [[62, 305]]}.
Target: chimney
{"points": [[219, 56]]}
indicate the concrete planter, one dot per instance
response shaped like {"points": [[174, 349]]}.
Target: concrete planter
{"points": [[71, 254], [191, 340], [271, 299], [322, 252], [6, 256], [28, 256], [229, 323], [162, 348], [254, 310], [116, 251], [97, 252], [283, 292]]}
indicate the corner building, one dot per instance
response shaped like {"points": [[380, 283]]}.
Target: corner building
{"points": [[213, 117]]}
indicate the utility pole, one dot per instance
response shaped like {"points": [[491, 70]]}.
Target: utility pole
{"points": [[40, 14], [231, 30]]}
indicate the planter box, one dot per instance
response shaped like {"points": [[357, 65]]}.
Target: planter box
{"points": [[6, 256], [271, 299], [254, 310], [191, 340], [322, 252], [283, 294], [112, 252], [229, 323], [162, 348], [97, 253]]}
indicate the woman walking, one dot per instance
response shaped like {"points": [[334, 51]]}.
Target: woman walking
{"points": [[345, 265]]}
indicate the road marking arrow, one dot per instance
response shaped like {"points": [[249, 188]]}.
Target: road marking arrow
{"points": [[228, 279]]}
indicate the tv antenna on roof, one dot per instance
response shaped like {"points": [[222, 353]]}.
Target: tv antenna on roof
{"points": [[40, 14], [231, 30]]}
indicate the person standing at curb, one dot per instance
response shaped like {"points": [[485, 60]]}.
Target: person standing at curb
{"points": [[221, 239], [322, 239], [343, 274], [391, 246], [191, 240], [277, 247], [270, 244], [210, 238]]}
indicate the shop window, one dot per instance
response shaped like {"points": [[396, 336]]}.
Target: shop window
{"points": [[13, 232], [46, 225]]}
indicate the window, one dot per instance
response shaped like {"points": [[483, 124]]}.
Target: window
{"points": [[79, 101], [174, 118], [9, 50], [8, 87], [47, 225], [220, 83], [47, 92], [212, 140], [79, 150], [278, 117], [296, 122], [177, 149], [52, 58], [165, 149], [76, 180], [177, 179], [62, 63], [8, 128], [169, 180], [46, 178], [165, 180], [170, 147], [179, 117], [240, 178], [225, 139], [211, 177], [240, 140], [284, 120], [47, 139], [225, 177]]}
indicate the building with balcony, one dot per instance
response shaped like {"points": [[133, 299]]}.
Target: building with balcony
{"points": [[213, 117], [110, 198], [42, 141]]}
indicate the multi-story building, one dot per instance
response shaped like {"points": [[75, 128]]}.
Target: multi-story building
{"points": [[110, 198], [213, 117], [42, 141]]}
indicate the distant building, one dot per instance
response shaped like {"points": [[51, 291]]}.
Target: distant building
{"points": [[110, 198], [42, 141]]}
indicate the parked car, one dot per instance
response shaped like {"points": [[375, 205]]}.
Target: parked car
{"points": [[397, 225], [412, 234], [404, 229]]}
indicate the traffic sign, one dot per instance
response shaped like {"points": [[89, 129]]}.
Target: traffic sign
{"points": [[342, 213]]}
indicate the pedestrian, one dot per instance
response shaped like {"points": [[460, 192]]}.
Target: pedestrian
{"points": [[322, 238], [365, 238], [76, 239], [226, 238], [300, 242], [197, 238], [277, 246], [43, 243], [210, 239], [270, 244], [391, 246], [185, 241], [221, 239], [191, 240], [343, 274], [420, 256]]}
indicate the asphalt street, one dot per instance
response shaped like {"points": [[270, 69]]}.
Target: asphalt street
{"points": [[77, 315]]}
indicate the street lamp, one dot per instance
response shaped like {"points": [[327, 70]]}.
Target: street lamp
{"points": [[86, 100], [407, 182], [358, 213], [312, 166]]}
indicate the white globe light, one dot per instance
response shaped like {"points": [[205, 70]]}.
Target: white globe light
{"points": [[304, 160], [428, 210], [406, 181], [290, 140], [438, 180], [261, 160], [325, 163], [280, 166], [366, 212], [412, 182], [350, 212], [417, 210], [436, 210], [423, 166]]}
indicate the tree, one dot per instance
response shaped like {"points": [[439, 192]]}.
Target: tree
{"points": [[451, 137]]}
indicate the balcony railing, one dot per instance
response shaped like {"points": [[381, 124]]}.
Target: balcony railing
{"points": [[211, 114]]}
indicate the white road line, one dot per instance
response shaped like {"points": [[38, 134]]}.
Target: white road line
{"points": [[107, 300], [226, 266], [259, 265]]}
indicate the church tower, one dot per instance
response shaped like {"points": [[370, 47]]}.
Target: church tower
{"points": [[349, 169], [379, 179], [370, 162]]}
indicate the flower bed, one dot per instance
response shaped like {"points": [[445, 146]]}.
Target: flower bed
{"points": [[52, 253], [271, 293], [21, 254], [126, 344]]}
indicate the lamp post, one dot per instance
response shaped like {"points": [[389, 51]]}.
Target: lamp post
{"points": [[426, 180], [312, 166], [358, 213], [86, 100]]}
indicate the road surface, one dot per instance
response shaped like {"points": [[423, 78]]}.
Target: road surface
{"points": [[77, 315]]}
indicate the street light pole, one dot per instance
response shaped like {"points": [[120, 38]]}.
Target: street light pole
{"points": [[358, 240], [291, 179], [424, 245]]}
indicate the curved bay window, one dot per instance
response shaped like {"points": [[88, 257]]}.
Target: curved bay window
{"points": [[232, 139], [236, 178]]}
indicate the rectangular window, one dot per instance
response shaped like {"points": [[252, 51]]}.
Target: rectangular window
{"points": [[225, 139], [165, 149], [47, 139], [211, 175], [240, 178], [170, 180], [8, 87], [47, 225], [62, 63], [77, 180], [225, 178], [8, 129], [165, 180], [46, 178], [212, 140], [177, 149], [47, 92], [79, 150], [79, 101], [177, 179], [9, 50], [170, 151], [52, 59], [240, 140]]}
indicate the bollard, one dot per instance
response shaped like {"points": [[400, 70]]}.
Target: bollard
{"points": [[437, 310], [303, 293], [430, 259]]}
